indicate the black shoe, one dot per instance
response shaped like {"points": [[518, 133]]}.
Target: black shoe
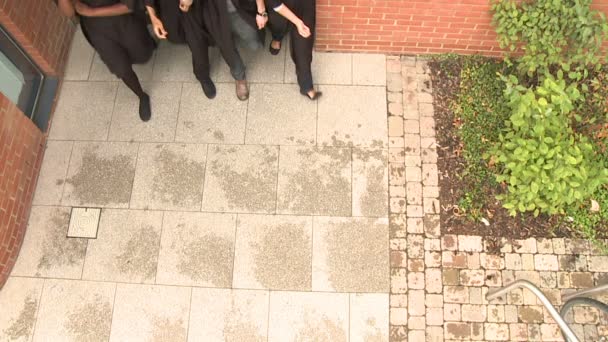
{"points": [[145, 110], [209, 88], [274, 51]]}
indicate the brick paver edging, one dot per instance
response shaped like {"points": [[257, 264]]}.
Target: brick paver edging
{"points": [[438, 283]]}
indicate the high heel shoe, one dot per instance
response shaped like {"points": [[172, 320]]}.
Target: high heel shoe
{"points": [[315, 95], [272, 50]]}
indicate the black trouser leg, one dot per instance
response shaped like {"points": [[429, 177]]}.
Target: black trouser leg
{"points": [[200, 58], [130, 79], [199, 46], [301, 48], [278, 25]]}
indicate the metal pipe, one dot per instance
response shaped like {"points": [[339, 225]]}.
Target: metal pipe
{"points": [[585, 292], [544, 300]]}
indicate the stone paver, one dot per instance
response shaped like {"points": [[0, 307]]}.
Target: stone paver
{"points": [[241, 179], [228, 315], [352, 115], [350, 255], [150, 313], [277, 218], [273, 252], [279, 115], [53, 172], [312, 316], [126, 124], [254, 201], [315, 181], [84, 111], [46, 252], [78, 65], [169, 176], [197, 249], [221, 120], [340, 72], [20, 302], [75, 311], [124, 255], [100, 175]]}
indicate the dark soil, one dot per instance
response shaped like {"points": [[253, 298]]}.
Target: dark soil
{"points": [[446, 83]]}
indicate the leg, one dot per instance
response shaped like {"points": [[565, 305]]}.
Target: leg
{"points": [[111, 47], [237, 69], [137, 40], [130, 79], [199, 47], [301, 54], [301, 50], [245, 33], [278, 25]]}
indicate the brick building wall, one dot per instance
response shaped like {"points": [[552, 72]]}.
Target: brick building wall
{"points": [[45, 35], [21, 149], [41, 30], [409, 26]]}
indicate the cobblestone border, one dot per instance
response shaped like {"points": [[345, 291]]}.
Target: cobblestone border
{"points": [[438, 283]]}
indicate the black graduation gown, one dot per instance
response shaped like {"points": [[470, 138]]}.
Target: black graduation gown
{"points": [[300, 48], [122, 40], [217, 23], [169, 13], [186, 28]]}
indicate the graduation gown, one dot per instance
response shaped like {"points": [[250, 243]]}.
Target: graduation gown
{"points": [[186, 28], [217, 23], [122, 40], [300, 48], [169, 13]]}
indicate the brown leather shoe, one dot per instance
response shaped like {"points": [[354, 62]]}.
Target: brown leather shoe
{"points": [[242, 90]]}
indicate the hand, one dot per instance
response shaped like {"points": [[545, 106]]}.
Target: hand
{"points": [[303, 30], [261, 21], [159, 29], [82, 9], [184, 5]]}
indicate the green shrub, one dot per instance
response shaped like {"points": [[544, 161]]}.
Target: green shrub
{"points": [[546, 165], [551, 33], [591, 225], [480, 111]]}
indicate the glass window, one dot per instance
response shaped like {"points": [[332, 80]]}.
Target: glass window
{"points": [[22, 82], [12, 77]]}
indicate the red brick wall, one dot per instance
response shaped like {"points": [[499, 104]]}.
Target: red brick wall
{"points": [[41, 30], [409, 26], [45, 35], [21, 149]]}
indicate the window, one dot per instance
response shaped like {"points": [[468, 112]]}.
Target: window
{"points": [[23, 83]]}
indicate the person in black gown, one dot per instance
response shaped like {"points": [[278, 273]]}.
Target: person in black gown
{"points": [[300, 15], [117, 31], [205, 22], [228, 21], [182, 22]]}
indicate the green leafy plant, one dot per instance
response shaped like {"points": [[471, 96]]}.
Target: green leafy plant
{"points": [[566, 34], [591, 223], [544, 163], [480, 111]]}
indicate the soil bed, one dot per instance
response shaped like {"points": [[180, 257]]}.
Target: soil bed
{"points": [[446, 84]]}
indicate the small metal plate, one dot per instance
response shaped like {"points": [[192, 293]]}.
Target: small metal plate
{"points": [[84, 223]]}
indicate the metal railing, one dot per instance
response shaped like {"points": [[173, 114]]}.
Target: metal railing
{"points": [[493, 294]]}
